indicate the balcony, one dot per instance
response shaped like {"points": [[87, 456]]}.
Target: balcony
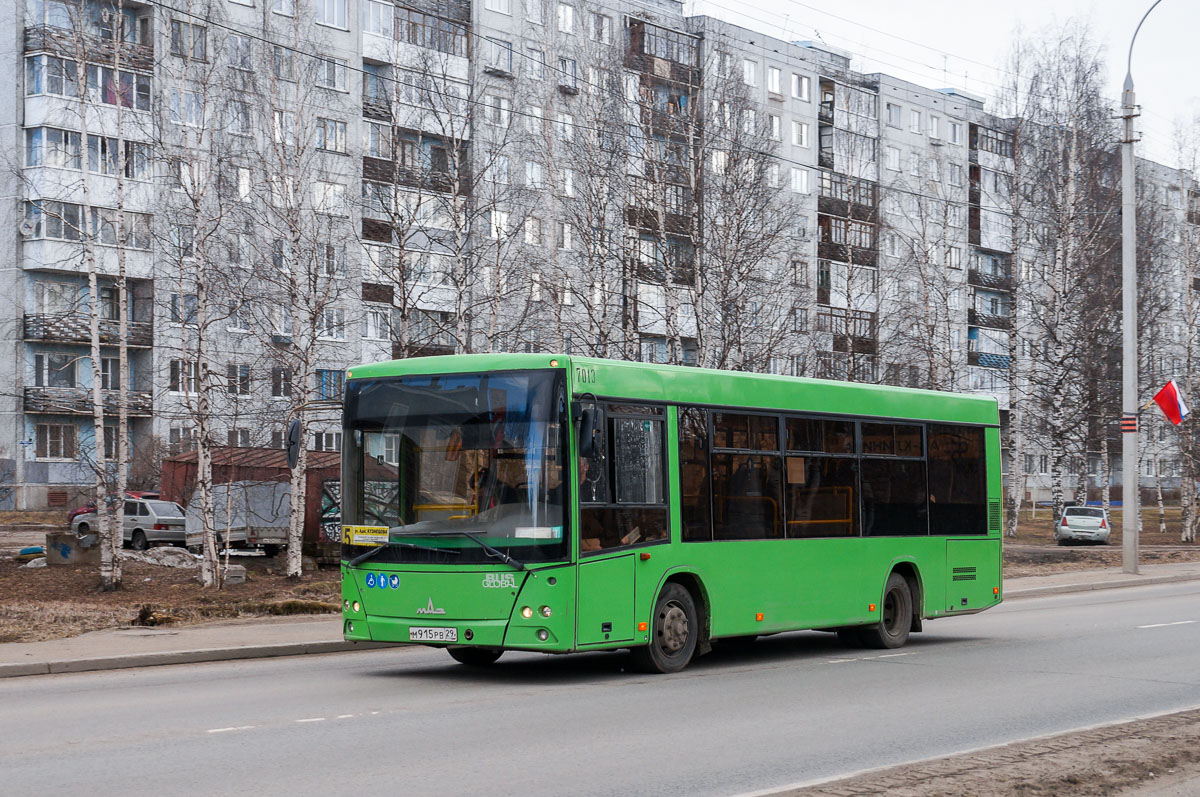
{"points": [[825, 157], [78, 401], [76, 328], [995, 282], [96, 49], [377, 107], [825, 112], [989, 320], [987, 359]]}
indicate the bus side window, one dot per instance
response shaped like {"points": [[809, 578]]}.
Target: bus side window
{"points": [[695, 493], [632, 508], [957, 480]]}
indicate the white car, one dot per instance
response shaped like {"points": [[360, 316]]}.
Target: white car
{"points": [[146, 521], [1082, 524]]}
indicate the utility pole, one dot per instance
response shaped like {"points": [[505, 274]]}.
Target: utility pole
{"points": [[1130, 492]]}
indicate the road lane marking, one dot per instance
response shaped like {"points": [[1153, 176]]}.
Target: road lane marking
{"points": [[1164, 625], [312, 719], [227, 730], [867, 658], [344, 716]]}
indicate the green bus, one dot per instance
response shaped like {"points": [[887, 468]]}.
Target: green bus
{"points": [[554, 503]]}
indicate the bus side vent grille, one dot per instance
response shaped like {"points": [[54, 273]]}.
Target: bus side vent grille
{"points": [[994, 515], [963, 574]]}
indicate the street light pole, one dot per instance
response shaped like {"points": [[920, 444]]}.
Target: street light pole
{"points": [[1130, 492]]}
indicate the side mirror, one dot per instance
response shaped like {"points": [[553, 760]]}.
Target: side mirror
{"points": [[587, 433], [294, 438]]}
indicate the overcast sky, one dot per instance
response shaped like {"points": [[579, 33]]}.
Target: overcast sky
{"points": [[964, 44]]}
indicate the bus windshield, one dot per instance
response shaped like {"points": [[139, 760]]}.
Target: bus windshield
{"points": [[455, 460]]}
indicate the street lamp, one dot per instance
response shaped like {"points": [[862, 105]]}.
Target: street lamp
{"points": [[1130, 491]]}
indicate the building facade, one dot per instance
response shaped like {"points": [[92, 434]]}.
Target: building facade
{"points": [[283, 189]]}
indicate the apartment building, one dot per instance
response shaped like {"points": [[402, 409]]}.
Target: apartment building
{"points": [[291, 188]]}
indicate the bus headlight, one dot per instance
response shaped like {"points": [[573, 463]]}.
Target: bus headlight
{"points": [[346, 604], [546, 612], [526, 612], [356, 606]]}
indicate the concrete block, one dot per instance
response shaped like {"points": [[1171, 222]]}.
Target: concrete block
{"points": [[236, 574], [68, 548]]}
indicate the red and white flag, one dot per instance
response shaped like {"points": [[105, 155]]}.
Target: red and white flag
{"points": [[1170, 401]]}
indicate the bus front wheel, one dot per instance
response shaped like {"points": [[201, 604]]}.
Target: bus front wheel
{"points": [[892, 629], [474, 657], [674, 629]]}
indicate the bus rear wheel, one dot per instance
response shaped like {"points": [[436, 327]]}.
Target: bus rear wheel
{"points": [[474, 657], [892, 629], [673, 632]]}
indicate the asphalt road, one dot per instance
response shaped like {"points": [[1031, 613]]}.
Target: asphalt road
{"points": [[792, 709]]}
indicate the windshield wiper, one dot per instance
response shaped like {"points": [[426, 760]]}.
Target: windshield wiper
{"points": [[495, 553], [362, 557]]}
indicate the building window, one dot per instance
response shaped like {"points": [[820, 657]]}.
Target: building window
{"points": [[185, 376], [285, 7], [327, 441], [54, 370], [499, 6], [799, 180], [281, 382], [240, 51], [238, 438], [375, 324], [775, 123], [183, 308], [110, 373], [601, 28], [564, 239], [377, 18], [331, 73], [564, 127], [533, 175], [237, 379], [773, 79], [330, 383], [893, 158], [189, 41], [801, 86], [498, 110], [893, 115], [914, 122], [331, 12], [283, 63], [186, 108], [47, 146], [533, 231], [800, 134], [956, 174], [749, 72], [935, 127], [331, 324], [956, 133], [566, 18], [331, 135], [55, 441]]}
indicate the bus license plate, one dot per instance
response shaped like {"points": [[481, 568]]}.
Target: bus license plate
{"points": [[420, 634]]}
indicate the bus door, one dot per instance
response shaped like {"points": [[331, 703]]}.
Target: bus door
{"points": [[621, 476]]}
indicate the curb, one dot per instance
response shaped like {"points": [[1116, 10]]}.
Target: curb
{"points": [[1133, 581], [183, 657]]}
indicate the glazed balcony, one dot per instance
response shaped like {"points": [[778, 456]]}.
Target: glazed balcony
{"points": [[78, 401]]}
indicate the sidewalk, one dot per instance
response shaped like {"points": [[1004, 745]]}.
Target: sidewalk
{"points": [[263, 638]]}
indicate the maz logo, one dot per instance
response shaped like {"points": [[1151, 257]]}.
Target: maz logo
{"points": [[428, 609]]}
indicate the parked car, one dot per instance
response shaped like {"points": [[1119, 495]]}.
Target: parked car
{"points": [[147, 521], [91, 505], [1082, 524]]}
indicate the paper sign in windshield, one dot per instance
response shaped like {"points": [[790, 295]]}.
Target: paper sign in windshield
{"points": [[364, 535]]}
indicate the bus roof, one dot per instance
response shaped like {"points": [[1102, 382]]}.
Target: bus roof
{"points": [[687, 384]]}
